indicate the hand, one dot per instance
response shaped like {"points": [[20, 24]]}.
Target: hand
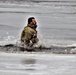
{"points": [[34, 35], [31, 43]]}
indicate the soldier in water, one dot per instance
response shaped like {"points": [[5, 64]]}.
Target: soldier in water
{"points": [[29, 33]]}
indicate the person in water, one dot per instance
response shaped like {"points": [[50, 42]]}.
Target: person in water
{"points": [[29, 33]]}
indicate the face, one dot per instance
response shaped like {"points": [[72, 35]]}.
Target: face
{"points": [[33, 22]]}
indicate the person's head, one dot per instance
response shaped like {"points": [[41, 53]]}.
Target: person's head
{"points": [[32, 21]]}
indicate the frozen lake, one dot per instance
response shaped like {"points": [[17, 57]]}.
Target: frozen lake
{"points": [[56, 21], [56, 29], [37, 64]]}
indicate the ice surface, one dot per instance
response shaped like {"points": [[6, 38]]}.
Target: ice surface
{"points": [[37, 64]]}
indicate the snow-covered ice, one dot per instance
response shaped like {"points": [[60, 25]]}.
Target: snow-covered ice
{"points": [[37, 64]]}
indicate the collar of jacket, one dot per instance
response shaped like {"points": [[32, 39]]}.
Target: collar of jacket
{"points": [[32, 26]]}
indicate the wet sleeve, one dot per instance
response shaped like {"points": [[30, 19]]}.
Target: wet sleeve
{"points": [[22, 35], [27, 35]]}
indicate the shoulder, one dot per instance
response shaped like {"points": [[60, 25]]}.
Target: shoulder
{"points": [[29, 30]]}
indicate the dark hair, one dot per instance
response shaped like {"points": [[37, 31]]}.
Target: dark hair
{"points": [[30, 19]]}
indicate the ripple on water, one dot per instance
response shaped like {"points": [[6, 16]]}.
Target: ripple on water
{"points": [[26, 67]]}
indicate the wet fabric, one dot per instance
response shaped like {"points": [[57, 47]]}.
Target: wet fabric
{"points": [[29, 35]]}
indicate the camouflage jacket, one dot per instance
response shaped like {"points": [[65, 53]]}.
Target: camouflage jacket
{"points": [[29, 35]]}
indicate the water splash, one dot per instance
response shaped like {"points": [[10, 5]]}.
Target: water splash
{"points": [[8, 40], [12, 44]]}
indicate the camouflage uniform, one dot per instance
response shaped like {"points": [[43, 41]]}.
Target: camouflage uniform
{"points": [[29, 35]]}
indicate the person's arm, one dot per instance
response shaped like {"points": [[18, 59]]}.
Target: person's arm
{"points": [[26, 36], [22, 36]]}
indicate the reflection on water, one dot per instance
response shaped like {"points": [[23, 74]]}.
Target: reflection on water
{"points": [[27, 64], [29, 61], [32, 64], [37, 64]]}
